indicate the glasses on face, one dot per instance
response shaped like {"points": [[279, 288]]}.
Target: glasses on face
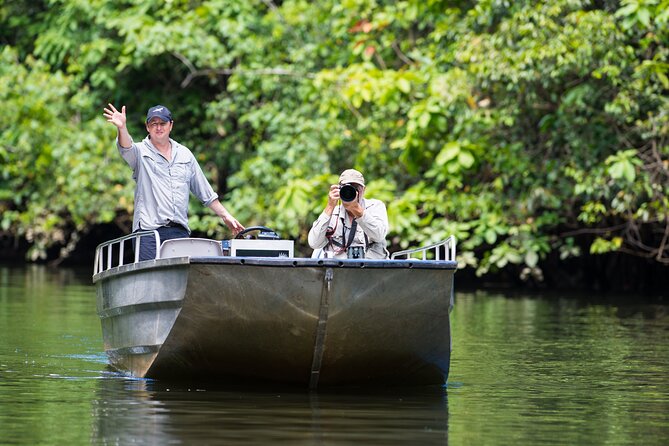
{"points": [[157, 124]]}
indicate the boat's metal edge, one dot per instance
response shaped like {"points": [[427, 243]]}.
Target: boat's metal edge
{"points": [[329, 263], [147, 264], [280, 262]]}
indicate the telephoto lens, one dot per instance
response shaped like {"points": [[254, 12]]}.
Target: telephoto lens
{"points": [[347, 192]]}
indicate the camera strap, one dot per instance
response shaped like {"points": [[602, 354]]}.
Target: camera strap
{"points": [[351, 236], [351, 233]]}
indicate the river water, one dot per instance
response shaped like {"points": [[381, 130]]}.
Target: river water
{"points": [[526, 369]]}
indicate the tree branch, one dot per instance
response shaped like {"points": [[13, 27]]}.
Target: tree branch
{"points": [[193, 72], [400, 54], [663, 243]]}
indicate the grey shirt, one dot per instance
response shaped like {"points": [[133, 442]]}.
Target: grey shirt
{"points": [[163, 187]]}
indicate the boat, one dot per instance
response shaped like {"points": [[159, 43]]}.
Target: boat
{"points": [[247, 310]]}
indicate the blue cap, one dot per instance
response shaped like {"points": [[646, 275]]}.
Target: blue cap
{"points": [[159, 111]]}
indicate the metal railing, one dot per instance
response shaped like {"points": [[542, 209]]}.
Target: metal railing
{"points": [[447, 246], [111, 254]]}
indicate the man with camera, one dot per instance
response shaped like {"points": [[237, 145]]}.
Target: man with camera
{"points": [[354, 229]]}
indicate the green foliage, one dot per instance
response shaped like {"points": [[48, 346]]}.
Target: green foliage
{"points": [[56, 178], [526, 129]]}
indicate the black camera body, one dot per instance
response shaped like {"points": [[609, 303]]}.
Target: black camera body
{"points": [[348, 192]]}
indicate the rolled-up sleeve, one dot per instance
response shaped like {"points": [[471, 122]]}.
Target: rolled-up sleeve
{"points": [[199, 185], [316, 236], [129, 154]]}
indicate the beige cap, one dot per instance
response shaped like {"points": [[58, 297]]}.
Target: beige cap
{"points": [[351, 176]]}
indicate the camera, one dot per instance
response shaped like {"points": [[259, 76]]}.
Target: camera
{"points": [[355, 252], [347, 192]]}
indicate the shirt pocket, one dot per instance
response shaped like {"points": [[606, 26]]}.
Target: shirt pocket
{"points": [[150, 164], [181, 172]]}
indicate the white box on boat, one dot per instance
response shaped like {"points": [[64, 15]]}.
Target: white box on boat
{"points": [[261, 248]]}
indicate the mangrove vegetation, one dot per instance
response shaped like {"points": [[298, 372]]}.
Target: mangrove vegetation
{"points": [[536, 132]]}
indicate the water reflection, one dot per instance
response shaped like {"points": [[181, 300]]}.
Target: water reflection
{"points": [[552, 370], [129, 410], [539, 370]]}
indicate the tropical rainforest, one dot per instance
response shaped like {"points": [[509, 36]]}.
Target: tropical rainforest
{"points": [[535, 132]]}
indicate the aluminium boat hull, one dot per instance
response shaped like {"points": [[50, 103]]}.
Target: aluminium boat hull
{"points": [[307, 322]]}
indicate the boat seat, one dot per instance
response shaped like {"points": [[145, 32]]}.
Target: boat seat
{"points": [[190, 247]]}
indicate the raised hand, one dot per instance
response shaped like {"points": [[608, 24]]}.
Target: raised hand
{"points": [[114, 116]]}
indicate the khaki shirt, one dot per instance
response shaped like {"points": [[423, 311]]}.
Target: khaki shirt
{"points": [[373, 224]]}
